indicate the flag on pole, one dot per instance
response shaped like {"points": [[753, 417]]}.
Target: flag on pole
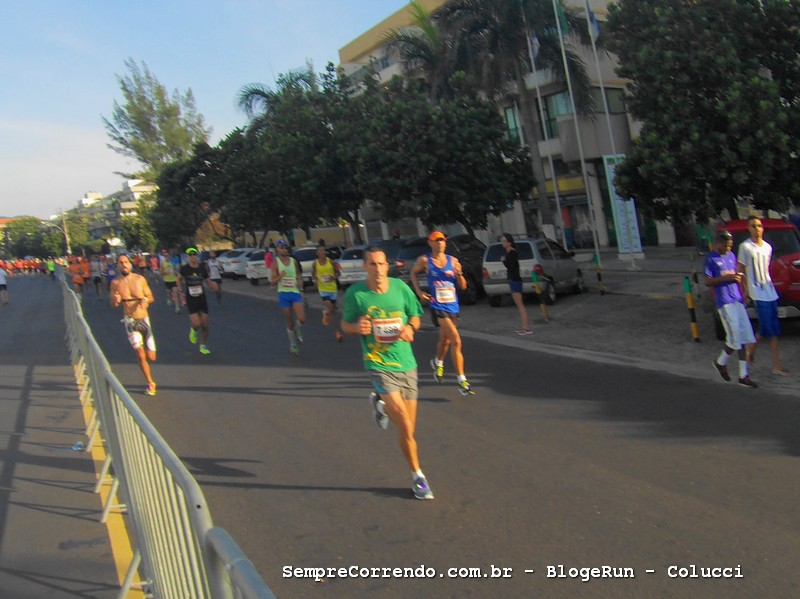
{"points": [[594, 26], [533, 42], [562, 18]]}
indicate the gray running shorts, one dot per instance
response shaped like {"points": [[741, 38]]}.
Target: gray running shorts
{"points": [[384, 381]]}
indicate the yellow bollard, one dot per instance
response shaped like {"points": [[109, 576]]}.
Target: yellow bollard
{"points": [[600, 283], [687, 287], [538, 290]]}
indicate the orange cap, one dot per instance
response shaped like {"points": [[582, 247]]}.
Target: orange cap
{"points": [[436, 236]]}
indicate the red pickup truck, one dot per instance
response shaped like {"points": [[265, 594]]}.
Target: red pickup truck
{"points": [[785, 266]]}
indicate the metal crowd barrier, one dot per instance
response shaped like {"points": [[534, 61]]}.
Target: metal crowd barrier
{"points": [[178, 553]]}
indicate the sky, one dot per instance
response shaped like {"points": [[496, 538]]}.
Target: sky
{"points": [[60, 61]]}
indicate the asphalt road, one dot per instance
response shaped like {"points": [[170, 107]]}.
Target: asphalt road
{"points": [[556, 461]]}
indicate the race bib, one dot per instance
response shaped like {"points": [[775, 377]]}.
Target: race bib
{"points": [[445, 295], [387, 330], [328, 278], [195, 290], [288, 284]]}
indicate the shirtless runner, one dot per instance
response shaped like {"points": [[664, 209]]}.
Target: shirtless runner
{"points": [[132, 291]]}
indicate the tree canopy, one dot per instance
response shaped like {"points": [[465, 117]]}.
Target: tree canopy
{"points": [[152, 126], [716, 85]]}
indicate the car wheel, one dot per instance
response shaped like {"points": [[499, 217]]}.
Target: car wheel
{"points": [[254, 281], [469, 295], [495, 301], [550, 294], [580, 286]]}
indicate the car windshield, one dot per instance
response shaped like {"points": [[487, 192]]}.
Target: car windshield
{"points": [[234, 253], [411, 252], [496, 252], [259, 255], [353, 254], [305, 254], [783, 241]]}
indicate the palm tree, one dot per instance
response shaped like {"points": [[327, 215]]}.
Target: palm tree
{"points": [[494, 35], [424, 49], [258, 101]]}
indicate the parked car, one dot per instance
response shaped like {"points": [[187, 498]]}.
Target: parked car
{"points": [[256, 268], [234, 263], [557, 269], [351, 266], [307, 254], [784, 269], [466, 248]]}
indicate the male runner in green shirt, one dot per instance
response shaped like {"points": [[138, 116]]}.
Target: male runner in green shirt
{"points": [[386, 313]]}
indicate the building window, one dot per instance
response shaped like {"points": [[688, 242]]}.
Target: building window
{"points": [[512, 125], [615, 98], [548, 129]]}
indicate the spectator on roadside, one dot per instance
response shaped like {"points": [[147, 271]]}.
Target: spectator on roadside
{"points": [[214, 273], [723, 279], [95, 268], [754, 258], [511, 261], [3, 285]]}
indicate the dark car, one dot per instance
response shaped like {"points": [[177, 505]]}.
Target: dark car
{"points": [[466, 248]]}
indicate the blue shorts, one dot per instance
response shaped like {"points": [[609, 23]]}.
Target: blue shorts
{"points": [[769, 325], [287, 298], [328, 296], [515, 286]]}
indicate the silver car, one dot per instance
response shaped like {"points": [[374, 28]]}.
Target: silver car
{"points": [[234, 263], [351, 266], [556, 268]]}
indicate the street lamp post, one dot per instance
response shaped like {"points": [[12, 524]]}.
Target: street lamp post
{"points": [[64, 231]]}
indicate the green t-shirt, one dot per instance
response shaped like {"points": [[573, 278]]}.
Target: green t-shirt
{"points": [[389, 312]]}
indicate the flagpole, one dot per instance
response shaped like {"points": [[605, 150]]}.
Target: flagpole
{"points": [[544, 129], [593, 33], [578, 136]]}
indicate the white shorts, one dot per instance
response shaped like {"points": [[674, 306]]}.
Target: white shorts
{"points": [[738, 330]]}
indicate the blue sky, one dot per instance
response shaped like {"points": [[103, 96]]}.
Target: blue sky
{"points": [[59, 61]]}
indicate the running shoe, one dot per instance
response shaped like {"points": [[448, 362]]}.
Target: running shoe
{"points": [[293, 349], [192, 335], [381, 419], [748, 382], [204, 350], [177, 309], [421, 489], [299, 334], [150, 389], [169, 302], [523, 332], [438, 371], [723, 371], [465, 388], [339, 336]]}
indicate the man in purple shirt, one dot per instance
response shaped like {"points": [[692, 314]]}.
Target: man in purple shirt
{"points": [[723, 278]]}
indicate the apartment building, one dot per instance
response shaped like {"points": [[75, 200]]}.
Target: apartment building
{"points": [[578, 204]]}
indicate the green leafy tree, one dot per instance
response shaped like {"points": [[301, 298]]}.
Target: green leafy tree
{"points": [[715, 84], [152, 126], [23, 237], [183, 202], [292, 132], [442, 164], [493, 37], [137, 229]]}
